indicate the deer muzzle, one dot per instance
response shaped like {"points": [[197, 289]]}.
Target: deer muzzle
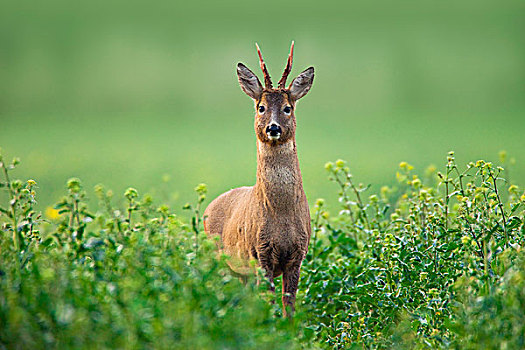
{"points": [[273, 131]]}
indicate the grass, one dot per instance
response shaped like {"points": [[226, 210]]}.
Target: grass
{"points": [[153, 156], [435, 261]]}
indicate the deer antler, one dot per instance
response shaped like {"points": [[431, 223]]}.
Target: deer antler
{"points": [[287, 70], [267, 79]]}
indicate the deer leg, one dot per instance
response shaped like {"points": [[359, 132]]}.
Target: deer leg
{"points": [[268, 272], [269, 275], [290, 282], [264, 254]]}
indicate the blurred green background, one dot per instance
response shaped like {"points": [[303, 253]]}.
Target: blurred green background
{"points": [[145, 94]]}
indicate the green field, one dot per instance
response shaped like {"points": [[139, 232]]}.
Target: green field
{"points": [[436, 263], [124, 94]]}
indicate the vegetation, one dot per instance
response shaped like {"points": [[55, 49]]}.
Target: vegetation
{"points": [[436, 261]]}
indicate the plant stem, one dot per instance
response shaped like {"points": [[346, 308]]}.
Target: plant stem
{"points": [[316, 228], [446, 203], [462, 191], [344, 195], [500, 206], [196, 223], [17, 238], [359, 202]]}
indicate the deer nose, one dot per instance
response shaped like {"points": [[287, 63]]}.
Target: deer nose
{"points": [[273, 131]]}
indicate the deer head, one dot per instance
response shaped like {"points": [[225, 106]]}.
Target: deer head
{"points": [[275, 107]]}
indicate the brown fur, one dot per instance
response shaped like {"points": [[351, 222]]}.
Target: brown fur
{"points": [[270, 221]]}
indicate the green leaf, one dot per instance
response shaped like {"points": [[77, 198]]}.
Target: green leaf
{"points": [[513, 222]]}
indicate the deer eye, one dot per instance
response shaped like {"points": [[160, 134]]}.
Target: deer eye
{"points": [[261, 109], [287, 109]]}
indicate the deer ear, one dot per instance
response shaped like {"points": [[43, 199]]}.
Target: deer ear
{"points": [[249, 82], [302, 84]]}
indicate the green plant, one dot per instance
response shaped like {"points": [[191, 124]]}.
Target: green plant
{"points": [[435, 262], [99, 279], [385, 273]]}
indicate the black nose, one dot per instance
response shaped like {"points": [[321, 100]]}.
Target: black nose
{"points": [[273, 130]]}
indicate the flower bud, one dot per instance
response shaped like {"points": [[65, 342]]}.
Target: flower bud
{"points": [[340, 163], [131, 193], [74, 185]]}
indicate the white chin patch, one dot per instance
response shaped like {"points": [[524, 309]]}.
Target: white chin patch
{"points": [[274, 138]]}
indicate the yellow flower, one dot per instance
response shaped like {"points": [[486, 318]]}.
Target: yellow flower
{"points": [[465, 239], [405, 166], [52, 213]]}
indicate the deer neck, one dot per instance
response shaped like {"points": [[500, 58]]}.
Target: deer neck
{"points": [[279, 182]]}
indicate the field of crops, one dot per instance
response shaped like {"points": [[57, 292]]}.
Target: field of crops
{"points": [[435, 262]]}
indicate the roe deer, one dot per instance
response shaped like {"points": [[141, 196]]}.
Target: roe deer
{"points": [[269, 222]]}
